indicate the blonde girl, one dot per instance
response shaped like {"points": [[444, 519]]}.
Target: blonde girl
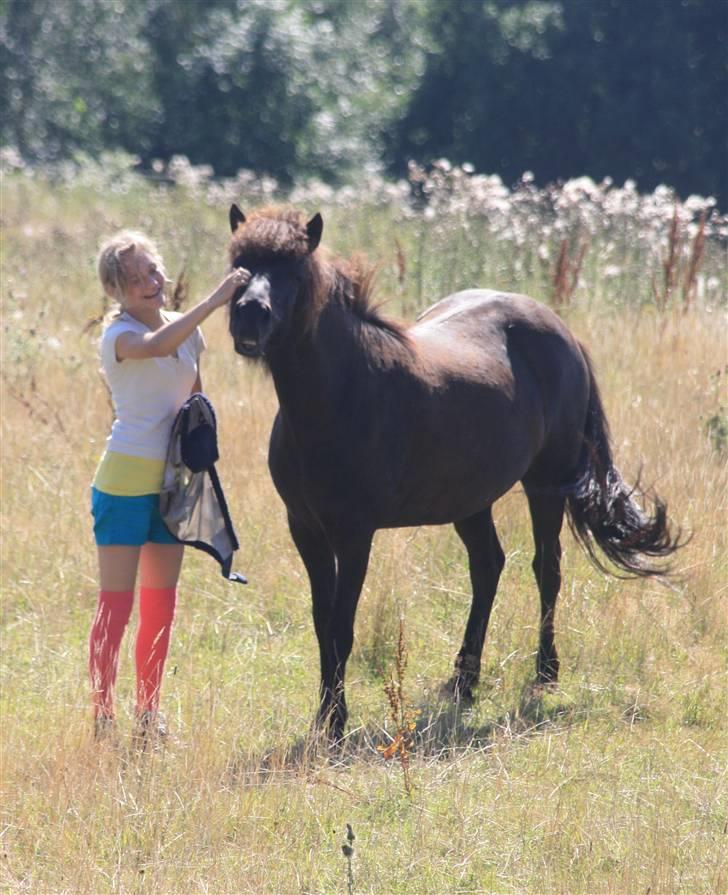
{"points": [[150, 358]]}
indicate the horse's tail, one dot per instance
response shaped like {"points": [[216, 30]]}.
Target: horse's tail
{"points": [[601, 508]]}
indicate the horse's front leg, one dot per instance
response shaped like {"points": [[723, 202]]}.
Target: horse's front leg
{"points": [[352, 556], [320, 562]]}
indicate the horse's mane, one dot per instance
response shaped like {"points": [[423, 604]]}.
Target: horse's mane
{"points": [[280, 232]]}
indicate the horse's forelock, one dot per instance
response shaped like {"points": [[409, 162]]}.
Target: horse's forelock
{"points": [[271, 232]]}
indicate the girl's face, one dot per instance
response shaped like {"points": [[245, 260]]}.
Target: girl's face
{"points": [[144, 284]]}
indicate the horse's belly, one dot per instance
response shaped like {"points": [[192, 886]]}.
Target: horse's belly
{"points": [[448, 485]]}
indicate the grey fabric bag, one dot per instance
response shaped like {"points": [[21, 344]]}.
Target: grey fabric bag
{"points": [[192, 502]]}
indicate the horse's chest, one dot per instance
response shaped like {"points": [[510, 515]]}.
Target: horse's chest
{"points": [[322, 479]]}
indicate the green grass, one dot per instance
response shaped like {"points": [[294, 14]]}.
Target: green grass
{"points": [[615, 783]]}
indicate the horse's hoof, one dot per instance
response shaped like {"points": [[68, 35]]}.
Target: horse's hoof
{"points": [[330, 726], [547, 669], [548, 678], [457, 690], [544, 685]]}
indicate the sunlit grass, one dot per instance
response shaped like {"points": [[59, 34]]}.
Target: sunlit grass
{"points": [[615, 783]]}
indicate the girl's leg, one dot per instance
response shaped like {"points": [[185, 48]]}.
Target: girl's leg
{"points": [[118, 567], [160, 567], [117, 573]]}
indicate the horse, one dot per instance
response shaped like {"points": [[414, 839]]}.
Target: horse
{"points": [[385, 425]]}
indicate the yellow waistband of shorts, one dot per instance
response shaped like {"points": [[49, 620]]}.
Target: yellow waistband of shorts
{"points": [[127, 476]]}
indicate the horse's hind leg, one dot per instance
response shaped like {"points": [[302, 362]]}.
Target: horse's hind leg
{"points": [[486, 559], [547, 515]]}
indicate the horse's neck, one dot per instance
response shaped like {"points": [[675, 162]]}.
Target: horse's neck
{"points": [[341, 360]]}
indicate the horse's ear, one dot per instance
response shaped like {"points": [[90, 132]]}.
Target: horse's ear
{"points": [[236, 217], [314, 229]]}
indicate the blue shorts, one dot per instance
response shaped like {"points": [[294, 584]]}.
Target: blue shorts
{"points": [[128, 521]]}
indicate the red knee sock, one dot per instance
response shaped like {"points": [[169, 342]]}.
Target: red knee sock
{"points": [[156, 612], [112, 615]]}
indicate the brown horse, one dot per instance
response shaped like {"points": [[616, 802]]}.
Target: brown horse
{"points": [[382, 426]]}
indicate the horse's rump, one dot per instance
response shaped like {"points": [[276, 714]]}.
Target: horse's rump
{"points": [[506, 372]]}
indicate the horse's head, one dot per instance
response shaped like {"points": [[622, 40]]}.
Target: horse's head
{"points": [[275, 246]]}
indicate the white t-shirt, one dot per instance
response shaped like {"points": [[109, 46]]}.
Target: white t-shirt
{"points": [[148, 393]]}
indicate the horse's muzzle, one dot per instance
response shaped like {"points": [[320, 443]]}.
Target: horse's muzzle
{"points": [[251, 325]]}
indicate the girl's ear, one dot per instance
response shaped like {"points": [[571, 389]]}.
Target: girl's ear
{"points": [[236, 218]]}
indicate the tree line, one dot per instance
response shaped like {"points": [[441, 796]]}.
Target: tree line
{"points": [[328, 88]]}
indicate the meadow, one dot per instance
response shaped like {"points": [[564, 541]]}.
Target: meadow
{"points": [[614, 783]]}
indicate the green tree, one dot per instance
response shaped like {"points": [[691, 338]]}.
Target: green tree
{"points": [[75, 77], [620, 88], [287, 88], [293, 88], [284, 87]]}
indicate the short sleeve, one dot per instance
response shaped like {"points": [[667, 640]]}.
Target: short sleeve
{"points": [[108, 342]]}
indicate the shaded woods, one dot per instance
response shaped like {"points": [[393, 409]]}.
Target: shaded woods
{"points": [[327, 88]]}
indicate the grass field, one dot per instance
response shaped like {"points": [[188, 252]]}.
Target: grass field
{"points": [[616, 783]]}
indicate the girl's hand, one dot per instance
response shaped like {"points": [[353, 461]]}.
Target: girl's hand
{"points": [[229, 285]]}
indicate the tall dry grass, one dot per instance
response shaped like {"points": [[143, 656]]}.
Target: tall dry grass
{"points": [[614, 784]]}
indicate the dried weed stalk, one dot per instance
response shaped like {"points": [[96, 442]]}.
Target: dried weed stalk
{"points": [[348, 851], [181, 289], [566, 273], [400, 261], [690, 281], [38, 408], [671, 266], [402, 717]]}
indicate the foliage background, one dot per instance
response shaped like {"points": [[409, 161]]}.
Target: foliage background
{"points": [[329, 88]]}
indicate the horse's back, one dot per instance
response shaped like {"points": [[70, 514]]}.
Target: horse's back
{"points": [[467, 301], [482, 330], [473, 313]]}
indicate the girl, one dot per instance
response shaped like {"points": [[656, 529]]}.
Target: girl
{"points": [[150, 358]]}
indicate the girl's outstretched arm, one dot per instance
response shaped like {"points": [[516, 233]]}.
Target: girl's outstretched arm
{"points": [[165, 340]]}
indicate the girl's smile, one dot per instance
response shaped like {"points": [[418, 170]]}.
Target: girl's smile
{"points": [[144, 292]]}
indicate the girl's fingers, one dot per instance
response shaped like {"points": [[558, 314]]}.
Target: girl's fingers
{"points": [[231, 282]]}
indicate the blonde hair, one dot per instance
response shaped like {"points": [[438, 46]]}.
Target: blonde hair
{"points": [[114, 252]]}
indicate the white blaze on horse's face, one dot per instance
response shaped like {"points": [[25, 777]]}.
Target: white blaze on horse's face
{"points": [[264, 306], [251, 317]]}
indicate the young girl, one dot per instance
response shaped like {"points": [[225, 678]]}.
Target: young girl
{"points": [[150, 358]]}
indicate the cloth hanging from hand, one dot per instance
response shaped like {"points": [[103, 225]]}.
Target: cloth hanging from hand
{"points": [[192, 502]]}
